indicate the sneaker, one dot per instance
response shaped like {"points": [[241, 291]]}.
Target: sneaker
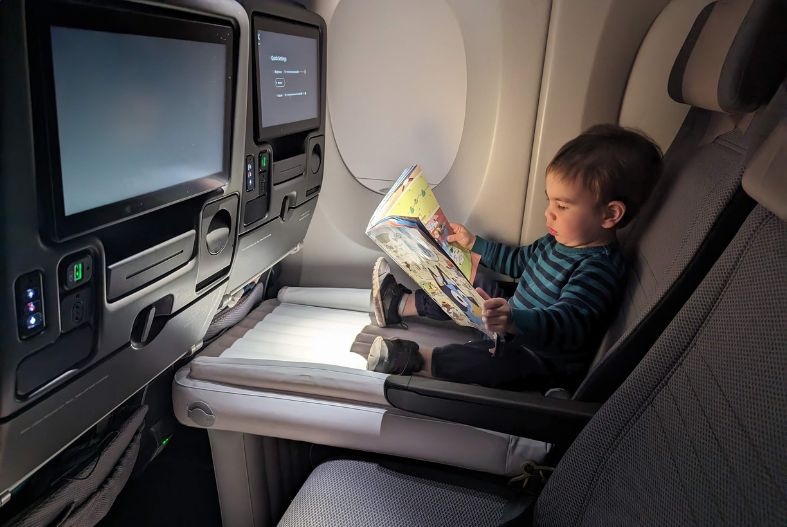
{"points": [[400, 357], [386, 295]]}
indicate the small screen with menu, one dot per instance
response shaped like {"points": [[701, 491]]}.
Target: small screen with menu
{"points": [[289, 78]]}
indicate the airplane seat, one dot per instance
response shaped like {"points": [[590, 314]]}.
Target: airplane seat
{"points": [[694, 435], [646, 105], [119, 218], [698, 205], [350, 407]]}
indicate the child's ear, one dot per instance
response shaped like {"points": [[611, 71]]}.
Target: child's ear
{"points": [[613, 213]]}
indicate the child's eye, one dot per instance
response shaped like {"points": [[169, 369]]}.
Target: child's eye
{"points": [[561, 207]]}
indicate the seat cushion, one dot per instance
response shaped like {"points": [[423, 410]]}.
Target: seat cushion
{"points": [[347, 493], [323, 326], [298, 333]]}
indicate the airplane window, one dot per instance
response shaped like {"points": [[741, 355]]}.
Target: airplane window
{"points": [[397, 89]]}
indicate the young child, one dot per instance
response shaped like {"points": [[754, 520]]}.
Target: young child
{"points": [[569, 280]]}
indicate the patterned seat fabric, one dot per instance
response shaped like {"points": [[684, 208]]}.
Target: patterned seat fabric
{"points": [[696, 435], [344, 493]]}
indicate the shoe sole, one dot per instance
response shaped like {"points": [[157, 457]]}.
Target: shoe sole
{"points": [[377, 352], [379, 271]]}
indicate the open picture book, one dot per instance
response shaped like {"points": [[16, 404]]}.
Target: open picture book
{"points": [[411, 228]]}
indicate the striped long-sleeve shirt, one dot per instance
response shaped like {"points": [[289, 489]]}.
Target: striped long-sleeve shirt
{"points": [[564, 295]]}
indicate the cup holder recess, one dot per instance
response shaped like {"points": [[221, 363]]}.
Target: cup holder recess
{"points": [[315, 159], [218, 231]]}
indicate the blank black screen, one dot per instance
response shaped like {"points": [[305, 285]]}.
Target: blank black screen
{"points": [[135, 113]]}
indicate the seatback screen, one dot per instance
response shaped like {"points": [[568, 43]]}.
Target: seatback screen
{"points": [[288, 76], [135, 113]]}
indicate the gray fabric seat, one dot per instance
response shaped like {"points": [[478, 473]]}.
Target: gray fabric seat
{"points": [[696, 434], [352, 492], [730, 66]]}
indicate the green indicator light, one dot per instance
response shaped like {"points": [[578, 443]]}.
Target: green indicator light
{"points": [[164, 443], [78, 272], [264, 161]]}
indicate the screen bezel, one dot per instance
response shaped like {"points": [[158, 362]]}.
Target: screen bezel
{"points": [[286, 27], [111, 18]]}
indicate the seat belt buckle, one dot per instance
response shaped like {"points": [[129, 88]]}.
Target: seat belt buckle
{"points": [[533, 476]]}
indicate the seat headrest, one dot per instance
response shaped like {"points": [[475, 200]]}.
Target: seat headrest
{"points": [[734, 57], [765, 178]]}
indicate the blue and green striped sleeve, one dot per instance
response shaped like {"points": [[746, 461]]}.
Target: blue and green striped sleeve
{"points": [[588, 296], [503, 258]]}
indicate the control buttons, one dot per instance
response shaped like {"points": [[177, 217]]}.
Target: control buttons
{"points": [[34, 320], [249, 173], [76, 291], [78, 272], [30, 304], [264, 171]]}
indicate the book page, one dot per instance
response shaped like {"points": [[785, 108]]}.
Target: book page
{"points": [[392, 196], [413, 198], [407, 242]]}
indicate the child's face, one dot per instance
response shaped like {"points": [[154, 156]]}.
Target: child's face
{"points": [[573, 216]]}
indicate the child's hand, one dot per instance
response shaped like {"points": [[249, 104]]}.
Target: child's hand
{"points": [[461, 236], [496, 313]]}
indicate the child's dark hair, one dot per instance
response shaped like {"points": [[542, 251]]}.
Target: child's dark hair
{"points": [[613, 163]]}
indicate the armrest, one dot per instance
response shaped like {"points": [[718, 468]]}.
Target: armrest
{"points": [[524, 414]]}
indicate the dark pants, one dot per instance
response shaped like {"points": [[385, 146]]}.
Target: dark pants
{"points": [[512, 366]]}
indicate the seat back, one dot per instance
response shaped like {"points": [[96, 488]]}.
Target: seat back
{"points": [[698, 205], [696, 434]]}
